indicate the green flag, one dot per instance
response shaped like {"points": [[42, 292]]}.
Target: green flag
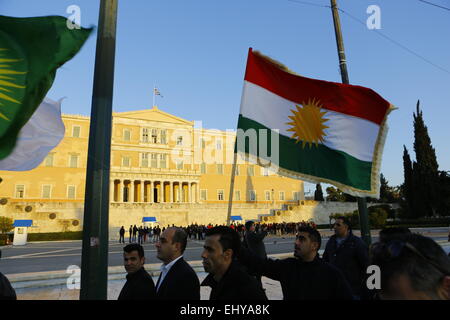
{"points": [[31, 49]]}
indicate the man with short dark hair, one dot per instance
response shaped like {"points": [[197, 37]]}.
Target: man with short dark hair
{"points": [[139, 285], [7, 292], [349, 254], [413, 267], [226, 277], [306, 276], [177, 281]]}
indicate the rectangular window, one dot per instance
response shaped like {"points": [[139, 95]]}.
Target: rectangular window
{"points": [[219, 144], [252, 195], [250, 170], [203, 195], [126, 135], [179, 164], [220, 169], [220, 195], [46, 191], [154, 136], [76, 131], [237, 195], [144, 135], [203, 168], [282, 195], [49, 160], [144, 160], [154, 160], [20, 191], [125, 161], [179, 141], [73, 161], [267, 193], [296, 195], [71, 192], [164, 136], [163, 162]]}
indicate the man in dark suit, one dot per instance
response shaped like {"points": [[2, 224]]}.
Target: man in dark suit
{"points": [[139, 285], [254, 242], [177, 281]]}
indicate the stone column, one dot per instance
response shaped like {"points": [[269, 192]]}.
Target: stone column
{"points": [[142, 191], [120, 191], [111, 190], [189, 192], [151, 192], [131, 193], [162, 191], [171, 192], [197, 189]]}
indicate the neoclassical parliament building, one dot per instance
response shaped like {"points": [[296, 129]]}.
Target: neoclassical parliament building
{"points": [[162, 167]]}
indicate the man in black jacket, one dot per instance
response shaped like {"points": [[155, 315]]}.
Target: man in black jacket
{"points": [[6, 290], [304, 277], [177, 281], [254, 242], [226, 277], [139, 285], [349, 254]]}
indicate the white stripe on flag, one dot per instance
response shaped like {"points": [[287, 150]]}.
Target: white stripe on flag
{"points": [[43, 132], [352, 135]]}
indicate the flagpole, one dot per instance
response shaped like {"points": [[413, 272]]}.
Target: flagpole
{"points": [[94, 257], [233, 174], [154, 87], [362, 203]]}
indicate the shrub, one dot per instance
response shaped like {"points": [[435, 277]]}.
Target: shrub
{"points": [[55, 236]]}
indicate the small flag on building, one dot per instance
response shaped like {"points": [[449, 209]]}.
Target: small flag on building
{"points": [[43, 132], [157, 93], [31, 50], [328, 132]]}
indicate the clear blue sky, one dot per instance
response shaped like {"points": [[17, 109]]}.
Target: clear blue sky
{"points": [[195, 52]]}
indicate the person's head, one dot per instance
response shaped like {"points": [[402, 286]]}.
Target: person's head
{"points": [[413, 267], [250, 226], [172, 243], [307, 243], [342, 226], [133, 257], [222, 244], [388, 234]]}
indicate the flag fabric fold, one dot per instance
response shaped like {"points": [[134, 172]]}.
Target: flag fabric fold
{"points": [[43, 132], [31, 50], [328, 132]]}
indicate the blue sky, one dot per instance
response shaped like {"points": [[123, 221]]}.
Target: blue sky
{"points": [[195, 52]]}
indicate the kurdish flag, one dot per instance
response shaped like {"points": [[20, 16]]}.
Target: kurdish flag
{"points": [[31, 49], [328, 132]]}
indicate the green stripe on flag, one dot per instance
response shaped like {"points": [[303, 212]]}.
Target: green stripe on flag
{"points": [[319, 161]]}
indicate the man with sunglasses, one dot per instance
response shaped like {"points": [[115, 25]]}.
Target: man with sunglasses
{"points": [[349, 254], [413, 267], [304, 276]]}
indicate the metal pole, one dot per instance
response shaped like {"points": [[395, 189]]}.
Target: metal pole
{"points": [[233, 174], [362, 204], [94, 259]]}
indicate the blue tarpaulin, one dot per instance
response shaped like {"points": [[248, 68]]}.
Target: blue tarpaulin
{"points": [[235, 218], [149, 219], [23, 223]]}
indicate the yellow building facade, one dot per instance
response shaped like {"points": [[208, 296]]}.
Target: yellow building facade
{"points": [[158, 161]]}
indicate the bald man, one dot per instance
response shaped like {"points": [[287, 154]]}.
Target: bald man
{"points": [[177, 281]]}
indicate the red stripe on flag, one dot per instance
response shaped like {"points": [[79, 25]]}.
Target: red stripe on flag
{"points": [[353, 100]]}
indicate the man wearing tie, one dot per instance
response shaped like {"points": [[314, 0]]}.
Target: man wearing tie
{"points": [[177, 281]]}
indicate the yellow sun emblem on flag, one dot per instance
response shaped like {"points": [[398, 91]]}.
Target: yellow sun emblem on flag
{"points": [[308, 123], [6, 81]]}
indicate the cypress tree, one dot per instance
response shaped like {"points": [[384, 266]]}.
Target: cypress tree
{"points": [[407, 187], [426, 171]]}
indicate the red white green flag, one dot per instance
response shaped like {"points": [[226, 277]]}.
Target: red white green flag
{"points": [[328, 132]]}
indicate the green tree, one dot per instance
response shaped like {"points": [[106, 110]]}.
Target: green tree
{"points": [[335, 194], [387, 193], [6, 225], [318, 194], [407, 188], [425, 168]]}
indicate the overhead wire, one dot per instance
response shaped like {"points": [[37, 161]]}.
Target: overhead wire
{"points": [[380, 33]]}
